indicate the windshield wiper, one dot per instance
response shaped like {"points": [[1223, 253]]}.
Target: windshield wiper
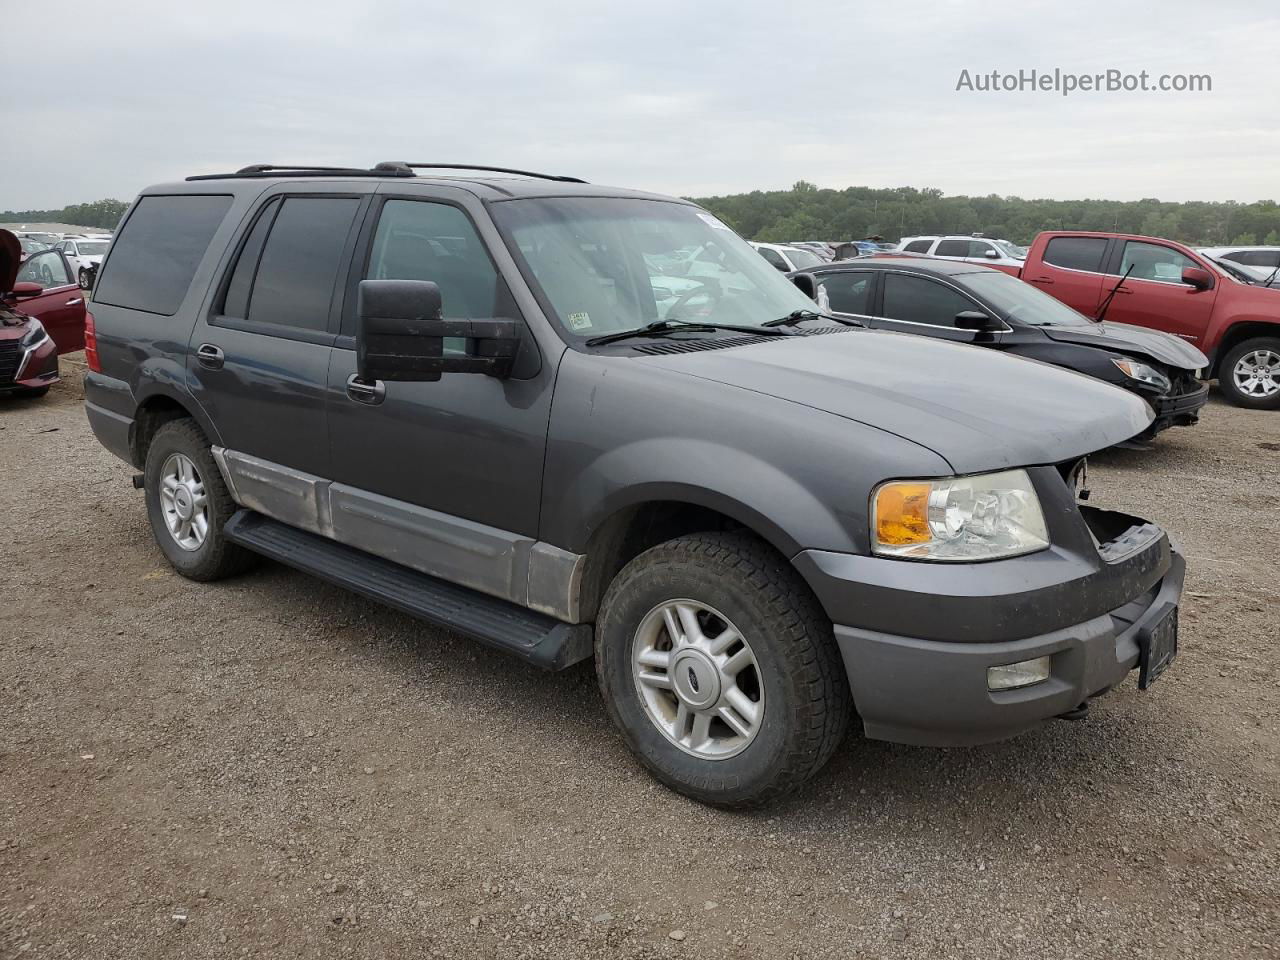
{"points": [[661, 327], [1102, 312], [800, 316]]}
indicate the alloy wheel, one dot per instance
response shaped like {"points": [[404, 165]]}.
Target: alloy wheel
{"points": [[183, 502], [698, 679], [1257, 373]]}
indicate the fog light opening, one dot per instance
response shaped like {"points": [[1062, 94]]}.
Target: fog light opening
{"points": [[1013, 676]]}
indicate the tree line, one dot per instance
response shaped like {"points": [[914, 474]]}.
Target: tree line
{"points": [[103, 214], [806, 212]]}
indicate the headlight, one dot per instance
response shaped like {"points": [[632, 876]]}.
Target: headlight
{"points": [[35, 336], [962, 518], [1143, 373]]}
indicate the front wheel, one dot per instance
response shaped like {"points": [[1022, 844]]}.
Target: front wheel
{"points": [[83, 278], [1250, 374], [720, 669]]}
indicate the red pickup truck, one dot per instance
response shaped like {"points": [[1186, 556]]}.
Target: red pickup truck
{"points": [[1233, 318]]}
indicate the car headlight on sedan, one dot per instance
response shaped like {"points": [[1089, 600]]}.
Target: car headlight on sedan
{"points": [[34, 336], [987, 517], [1143, 373]]}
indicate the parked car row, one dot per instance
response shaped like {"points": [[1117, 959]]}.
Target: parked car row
{"points": [[42, 314]]}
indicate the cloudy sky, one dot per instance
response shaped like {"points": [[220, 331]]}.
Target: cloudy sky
{"points": [[692, 97]]}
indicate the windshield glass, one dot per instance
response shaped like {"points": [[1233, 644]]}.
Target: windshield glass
{"points": [[1021, 301], [802, 258], [611, 264], [1011, 249], [91, 249]]}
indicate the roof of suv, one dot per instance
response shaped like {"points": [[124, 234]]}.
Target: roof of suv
{"points": [[488, 183]]}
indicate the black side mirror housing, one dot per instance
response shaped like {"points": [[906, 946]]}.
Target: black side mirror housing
{"points": [[402, 331], [807, 284], [978, 321]]}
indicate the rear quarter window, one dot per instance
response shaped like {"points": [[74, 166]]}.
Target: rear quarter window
{"points": [[918, 246], [156, 252], [1076, 253]]}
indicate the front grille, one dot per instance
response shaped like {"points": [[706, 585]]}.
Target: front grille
{"points": [[10, 357]]}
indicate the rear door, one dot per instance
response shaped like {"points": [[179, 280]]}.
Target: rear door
{"points": [[60, 307], [1070, 269], [1154, 294], [259, 358]]}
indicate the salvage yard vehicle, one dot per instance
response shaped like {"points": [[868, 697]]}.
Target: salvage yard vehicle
{"points": [[1000, 254], [84, 254], [450, 389], [28, 353], [1233, 319], [784, 258], [966, 303]]}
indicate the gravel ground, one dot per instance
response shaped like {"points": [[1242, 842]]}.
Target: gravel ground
{"points": [[271, 766]]}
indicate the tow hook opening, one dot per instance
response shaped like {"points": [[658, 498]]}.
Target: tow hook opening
{"points": [[139, 481]]}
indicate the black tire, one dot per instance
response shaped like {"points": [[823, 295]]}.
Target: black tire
{"points": [[1226, 378], [806, 692], [83, 279], [216, 557]]}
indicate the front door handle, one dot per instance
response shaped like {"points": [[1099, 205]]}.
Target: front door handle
{"points": [[210, 356], [1039, 280], [362, 392], [73, 302]]}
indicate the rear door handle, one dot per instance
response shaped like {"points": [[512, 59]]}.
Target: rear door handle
{"points": [[210, 356], [1039, 280], [362, 392]]}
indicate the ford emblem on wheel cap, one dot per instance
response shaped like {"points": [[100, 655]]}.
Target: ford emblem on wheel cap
{"points": [[693, 680]]}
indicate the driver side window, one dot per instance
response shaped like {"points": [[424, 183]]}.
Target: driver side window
{"points": [[1153, 261], [46, 268]]}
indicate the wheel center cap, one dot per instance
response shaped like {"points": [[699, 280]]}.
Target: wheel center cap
{"points": [[182, 502], [695, 678]]}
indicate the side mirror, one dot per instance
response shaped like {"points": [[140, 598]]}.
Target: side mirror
{"points": [[807, 284], [27, 289], [991, 254], [1196, 277], [402, 335], [977, 320]]}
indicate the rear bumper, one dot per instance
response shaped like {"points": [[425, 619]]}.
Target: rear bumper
{"points": [[935, 693], [113, 430]]}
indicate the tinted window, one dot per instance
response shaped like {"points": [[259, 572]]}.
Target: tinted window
{"points": [[157, 251], [918, 246], [922, 301], [803, 258], [1076, 253], [235, 303], [1256, 258], [301, 261], [773, 257], [1154, 261], [436, 242], [953, 248], [47, 269], [848, 292]]}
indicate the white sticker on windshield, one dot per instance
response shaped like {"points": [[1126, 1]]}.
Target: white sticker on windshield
{"points": [[579, 321], [712, 221]]}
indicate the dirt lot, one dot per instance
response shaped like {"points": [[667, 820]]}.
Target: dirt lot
{"points": [[271, 766]]}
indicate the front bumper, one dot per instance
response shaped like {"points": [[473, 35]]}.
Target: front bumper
{"points": [[934, 693], [1181, 409], [29, 369]]}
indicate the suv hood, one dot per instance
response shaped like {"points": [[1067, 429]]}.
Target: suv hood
{"points": [[1134, 341], [976, 408]]}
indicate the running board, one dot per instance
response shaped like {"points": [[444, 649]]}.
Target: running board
{"points": [[533, 637]]}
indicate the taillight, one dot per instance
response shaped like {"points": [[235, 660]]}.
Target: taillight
{"points": [[91, 344]]}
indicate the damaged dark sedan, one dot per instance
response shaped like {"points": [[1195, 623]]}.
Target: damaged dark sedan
{"points": [[966, 303]]}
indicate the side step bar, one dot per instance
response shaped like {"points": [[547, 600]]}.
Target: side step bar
{"points": [[531, 636]]}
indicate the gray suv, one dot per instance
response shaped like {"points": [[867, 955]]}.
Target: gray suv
{"points": [[575, 421]]}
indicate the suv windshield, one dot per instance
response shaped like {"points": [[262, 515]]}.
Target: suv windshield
{"points": [[612, 264], [802, 258], [1021, 301], [1011, 249]]}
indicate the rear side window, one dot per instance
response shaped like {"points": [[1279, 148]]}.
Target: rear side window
{"points": [[848, 292], [290, 263], [157, 251], [953, 248], [918, 300], [1076, 253], [1256, 258], [918, 246]]}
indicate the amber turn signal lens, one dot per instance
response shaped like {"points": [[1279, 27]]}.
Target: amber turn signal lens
{"points": [[902, 514]]}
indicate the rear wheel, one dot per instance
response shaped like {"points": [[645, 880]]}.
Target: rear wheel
{"points": [[1250, 374], [188, 504], [720, 669]]}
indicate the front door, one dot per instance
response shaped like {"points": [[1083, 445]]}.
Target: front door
{"points": [[259, 357], [1155, 296], [455, 464], [60, 306], [911, 303]]}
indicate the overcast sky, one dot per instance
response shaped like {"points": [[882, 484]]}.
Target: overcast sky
{"points": [[693, 97]]}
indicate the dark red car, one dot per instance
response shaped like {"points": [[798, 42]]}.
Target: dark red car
{"points": [[42, 314]]}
